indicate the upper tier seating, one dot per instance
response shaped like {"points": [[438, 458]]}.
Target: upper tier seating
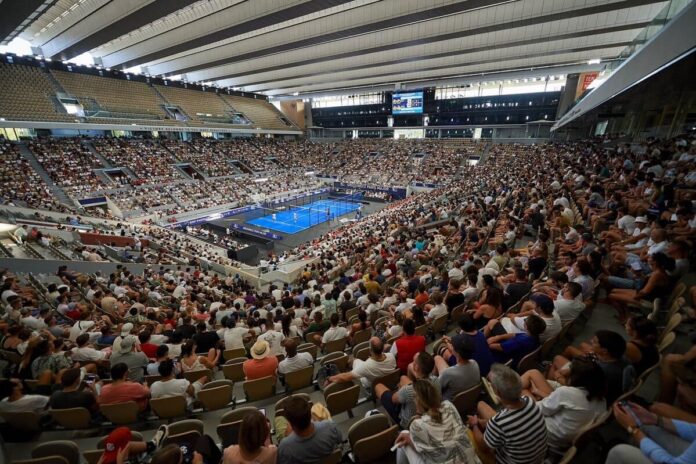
{"points": [[260, 112], [122, 98], [25, 94], [198, 106]]}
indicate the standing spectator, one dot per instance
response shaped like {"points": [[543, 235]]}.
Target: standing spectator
{"points": [[309, 441], [516, 434]]}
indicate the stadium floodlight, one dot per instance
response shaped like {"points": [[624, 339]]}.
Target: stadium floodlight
{"points": [[594, 61], [261, 179]]}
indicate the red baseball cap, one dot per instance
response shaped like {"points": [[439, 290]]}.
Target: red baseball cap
{"points": [[115, 442]]}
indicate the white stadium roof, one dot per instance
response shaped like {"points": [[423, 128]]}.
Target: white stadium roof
{"points": [[302, 47]]}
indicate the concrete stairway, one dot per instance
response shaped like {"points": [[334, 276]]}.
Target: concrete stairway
{"points": [[96, 154]]}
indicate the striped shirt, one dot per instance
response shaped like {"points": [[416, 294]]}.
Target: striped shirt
{"points": [[517, 436]]}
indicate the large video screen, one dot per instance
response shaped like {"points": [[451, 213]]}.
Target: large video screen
{"points": [[407, 103]]}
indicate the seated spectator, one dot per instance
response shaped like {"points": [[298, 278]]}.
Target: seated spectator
{"points": [[406, 346], [567, 409], [641, 349], [401, 404], [13, 398], [540, 305], [146, 346], [135, 360], [438, 309], [74, 394], [162, 354], [319, 325], [516, 346], [516, 290], [657, 285], [294, 361], [262, 363], [275, 338], [568, 304], [515, 434], [437, 434], [335, 332], [309, 441], [464, 374], [608, 349], [119, 446], [482, 352], [254, 442], [170, 386], [191, 361], [235, 336], [206, 340], [659, 439], [121, 389], [86, 353], [47, 366], [377, 365]]}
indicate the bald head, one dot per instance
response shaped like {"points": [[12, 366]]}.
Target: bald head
{"points": [[376, 346]]}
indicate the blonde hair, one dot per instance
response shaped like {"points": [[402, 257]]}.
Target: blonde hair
{"points": [[429, 399]]}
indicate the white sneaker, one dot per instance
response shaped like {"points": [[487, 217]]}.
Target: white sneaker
{"points": [[161, 435]]}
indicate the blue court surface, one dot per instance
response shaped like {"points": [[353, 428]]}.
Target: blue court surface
{"points": [[298, 218]]}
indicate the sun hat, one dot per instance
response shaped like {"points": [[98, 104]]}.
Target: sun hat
{"points": [[260, 349]]}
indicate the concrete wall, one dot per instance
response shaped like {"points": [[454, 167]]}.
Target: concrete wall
{"points": [[48, 266]]}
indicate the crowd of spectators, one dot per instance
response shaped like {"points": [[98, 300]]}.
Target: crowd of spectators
{"points": [[70, 164], [20, 185], [388, 275]]}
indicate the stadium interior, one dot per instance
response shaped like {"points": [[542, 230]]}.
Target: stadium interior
{"points": [[347, 231]]}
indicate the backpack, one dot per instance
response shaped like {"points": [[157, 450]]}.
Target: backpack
{"points": [[325, 371]]}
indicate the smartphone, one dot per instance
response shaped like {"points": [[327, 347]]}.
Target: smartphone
{"points": [[90, 378], [627, 408]]}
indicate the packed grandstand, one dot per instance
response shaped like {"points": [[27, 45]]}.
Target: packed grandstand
{"points": [[391, 232], [547, 233]]}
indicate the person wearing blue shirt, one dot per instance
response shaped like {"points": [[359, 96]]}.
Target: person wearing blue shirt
{"points": [[517, 346], [660, 439]]}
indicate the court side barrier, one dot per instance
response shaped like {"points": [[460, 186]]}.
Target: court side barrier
{"points": [[50, 266]]}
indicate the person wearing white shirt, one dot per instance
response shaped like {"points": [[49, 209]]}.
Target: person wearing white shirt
{"points": [[170, 386], [335, 332], [275, 339], [31, 322], [568, 304], [377, 365], [85, 353], [179, 292], [567, 408], [234, 335], [294, 360]]}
